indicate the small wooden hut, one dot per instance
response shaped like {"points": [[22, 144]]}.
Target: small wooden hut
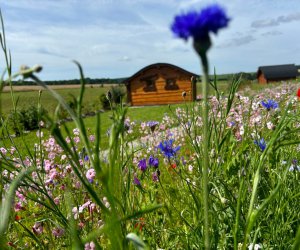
{"points": [[160, 83], [276, 73]]}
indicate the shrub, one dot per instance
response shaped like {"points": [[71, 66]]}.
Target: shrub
{"points": [[30, 118], [117, 94], [104, 102], [63, 114], [15, 122], [24, 119]]}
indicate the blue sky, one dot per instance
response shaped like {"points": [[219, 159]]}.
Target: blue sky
{"points": [[116, 38]]}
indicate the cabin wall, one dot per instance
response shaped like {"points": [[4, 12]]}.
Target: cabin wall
{"points": [[139, 96], [261, 78]]}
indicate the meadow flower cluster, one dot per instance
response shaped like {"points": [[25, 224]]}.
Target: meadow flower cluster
{"points": [[164, 162]]}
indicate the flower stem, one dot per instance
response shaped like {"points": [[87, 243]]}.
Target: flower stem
{"points": [[205, 80]]}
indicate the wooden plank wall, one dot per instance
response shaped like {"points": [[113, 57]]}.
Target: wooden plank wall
{"points": [[261, 78], [161, 95]]}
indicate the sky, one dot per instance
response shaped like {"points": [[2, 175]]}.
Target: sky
{"points": [[116, 38]]}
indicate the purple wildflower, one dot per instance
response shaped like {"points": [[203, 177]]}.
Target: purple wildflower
{"points": [[152, 125], [155, 176], [198, 24], [142, 164], [261, 143], [126, 125], [270, 104], [136, 181], [167, 149], [153, 162], [183, 160]]}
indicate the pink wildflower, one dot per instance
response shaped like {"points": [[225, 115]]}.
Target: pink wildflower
{"points": [[56, 200], [12, 150], [90, 246], [58, 232], [76, 131], [37, 228], [47, 165], [51, 155], [20, 196], [53, 174], [18, 207], [76, 139], [90, 175], [34, 175], [3, 151], [75, 212], [51, 141], [92, 138]]}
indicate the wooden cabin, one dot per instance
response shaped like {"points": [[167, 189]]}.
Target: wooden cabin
{"points": [[160, 83], [276, 73]]}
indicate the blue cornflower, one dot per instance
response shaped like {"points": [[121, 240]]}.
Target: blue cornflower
{"points": [[167, 149], [153, 162], [142, 164], [270, 104], [261, 143], [198, 24]]}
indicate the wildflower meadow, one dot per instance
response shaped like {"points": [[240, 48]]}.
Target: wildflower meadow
{"points": [[221, 173]]}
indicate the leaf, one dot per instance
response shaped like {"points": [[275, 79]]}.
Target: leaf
{"points": [[136, 240], [7, 204]]}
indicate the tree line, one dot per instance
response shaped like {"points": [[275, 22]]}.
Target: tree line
{"points": [[75, 81]]}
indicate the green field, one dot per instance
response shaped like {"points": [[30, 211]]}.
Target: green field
{"points": [[27, 98], [91, 102]]}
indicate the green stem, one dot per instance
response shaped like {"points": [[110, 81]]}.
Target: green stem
{"points": [[205, 80]]}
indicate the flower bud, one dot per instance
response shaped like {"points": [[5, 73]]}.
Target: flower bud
{"points": [[109, 95], [37, 68]]}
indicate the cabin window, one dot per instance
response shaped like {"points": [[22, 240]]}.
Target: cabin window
{"points": [[171, 84], [149, 84]]}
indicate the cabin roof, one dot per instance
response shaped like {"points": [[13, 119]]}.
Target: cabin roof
{"points": [[279, 71], [158, 65]]}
